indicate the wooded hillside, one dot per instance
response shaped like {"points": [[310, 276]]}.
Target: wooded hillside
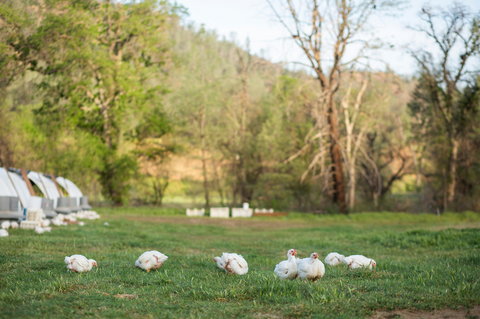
{"points": [[137, 106]]}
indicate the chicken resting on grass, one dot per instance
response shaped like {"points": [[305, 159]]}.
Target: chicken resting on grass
{"points": [[311, 268], [287, 269], [150, 260], [359, 261], [232, 263], [334, 259], [79, 263]]}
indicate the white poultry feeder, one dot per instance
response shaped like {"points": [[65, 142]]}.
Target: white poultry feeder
{"points": [[195, 212], [241, 212], [219, 212]]}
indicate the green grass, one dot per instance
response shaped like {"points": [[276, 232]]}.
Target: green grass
{"points": [[418, 267]]}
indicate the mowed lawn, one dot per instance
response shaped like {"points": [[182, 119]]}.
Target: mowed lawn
{"points": [[418, 266]]}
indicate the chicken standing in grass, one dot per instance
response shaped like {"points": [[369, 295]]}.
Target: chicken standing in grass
{"points": [[150, 260], [359, 261], [3, 233], [232, 263], [287, 269], [14, 225], [334, 259], [79, 263], [6, 224], [311, 268]]}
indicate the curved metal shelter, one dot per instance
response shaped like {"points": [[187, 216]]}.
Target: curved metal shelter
{"points": [[75, 192], [50, 191], [13, 195]]}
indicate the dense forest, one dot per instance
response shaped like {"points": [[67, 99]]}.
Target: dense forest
{"points": [[137, 106]]}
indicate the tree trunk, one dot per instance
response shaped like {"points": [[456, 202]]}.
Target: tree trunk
{"points": [[205, 181], [336, 155], [452, 170], [351, 191], [217, 182]]}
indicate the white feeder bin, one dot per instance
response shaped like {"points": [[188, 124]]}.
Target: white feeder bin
{"points": [[240, 212], [195, 212], [219, 212], [246, 206]]}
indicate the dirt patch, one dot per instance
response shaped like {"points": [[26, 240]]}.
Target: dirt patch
{"points": [[126, 296], [265, 315], [267, 224], [442, 313]]}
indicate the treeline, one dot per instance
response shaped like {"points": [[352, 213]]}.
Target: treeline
{"points": [[125, 98]]}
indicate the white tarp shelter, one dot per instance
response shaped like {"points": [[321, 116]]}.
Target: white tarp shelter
{"points": [[46, 186], [70, 187], [12, 193], [18, 188]]}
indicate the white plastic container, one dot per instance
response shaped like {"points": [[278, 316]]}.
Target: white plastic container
{"points": [[219, 212]]}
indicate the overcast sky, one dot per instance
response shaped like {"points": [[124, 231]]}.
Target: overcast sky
{"points": [[254, 19]]}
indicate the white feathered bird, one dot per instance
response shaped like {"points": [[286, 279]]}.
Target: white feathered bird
{"points": [[14, 225], [288, 269], [3, 233], [150, 260], [220, 262], [79, 263], [334, 259], [359, 261], [232, 263], [6, 224], [57, 222], [311, 268], [39, 230]]}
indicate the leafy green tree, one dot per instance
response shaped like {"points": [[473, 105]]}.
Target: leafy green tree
{"points": [[102, 65], [439, 97]]}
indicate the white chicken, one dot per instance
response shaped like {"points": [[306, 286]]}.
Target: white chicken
{"points": [[79, 263], [57, 222], [81, 224], [150, 260], [39, 230], [220, 262], [14, 225], [334, 259], [359, 261], [6, 224], [45, 223], [232, 263], [3, 233], [288, 269], [311, 268]]}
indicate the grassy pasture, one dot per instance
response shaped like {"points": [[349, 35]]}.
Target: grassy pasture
{"points": [[418, 267]]}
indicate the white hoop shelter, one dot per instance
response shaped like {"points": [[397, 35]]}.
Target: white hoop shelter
{"points": [[46, 186], [70, 187], [11, 187]]}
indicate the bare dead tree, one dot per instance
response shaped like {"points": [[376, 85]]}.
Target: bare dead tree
{"points": [[329, 27], [452, 30], [351, 153]]}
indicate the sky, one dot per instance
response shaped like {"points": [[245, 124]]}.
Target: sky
{"points": [[253, 19]]}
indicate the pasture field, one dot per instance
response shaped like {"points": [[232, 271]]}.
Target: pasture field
{"points": [[418, 266]]}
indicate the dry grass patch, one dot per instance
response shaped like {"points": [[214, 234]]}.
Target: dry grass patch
{"points": [[417, 314], [126, 296]]}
